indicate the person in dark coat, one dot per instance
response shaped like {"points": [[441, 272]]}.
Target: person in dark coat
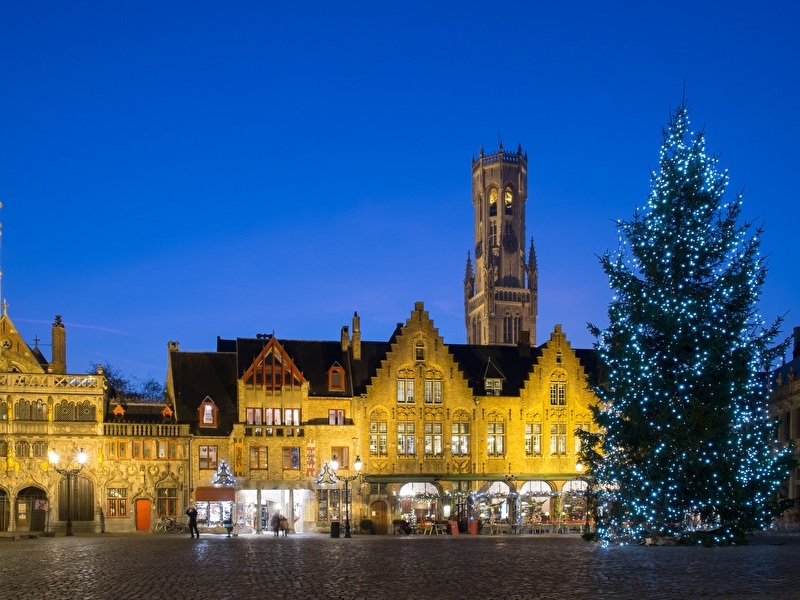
{"points": [[191, 512]]}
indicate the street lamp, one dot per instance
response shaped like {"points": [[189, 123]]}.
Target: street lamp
{"points": [[357, 466], [69, 473], [579, 469]]}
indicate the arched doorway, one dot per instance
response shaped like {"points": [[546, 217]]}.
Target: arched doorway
{"points": [[420, 501], [31, 509], [143, 510], [5, 510], [379, 512]]}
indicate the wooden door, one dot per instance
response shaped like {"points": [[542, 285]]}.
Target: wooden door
{"points": [[142, 515], [380, 516]]}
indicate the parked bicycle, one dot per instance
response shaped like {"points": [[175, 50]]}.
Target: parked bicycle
{"points": [[168, 525]]}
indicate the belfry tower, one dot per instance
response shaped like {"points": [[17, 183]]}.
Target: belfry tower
{"points": [[501, 294]]}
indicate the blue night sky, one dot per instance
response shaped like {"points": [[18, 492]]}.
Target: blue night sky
{"points": [[187, 170]]}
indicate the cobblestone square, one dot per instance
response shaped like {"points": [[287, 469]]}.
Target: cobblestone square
{"points": [[315, 566]]}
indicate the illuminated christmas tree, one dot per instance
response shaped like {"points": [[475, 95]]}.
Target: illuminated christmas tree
{"points": [[687, 447]]}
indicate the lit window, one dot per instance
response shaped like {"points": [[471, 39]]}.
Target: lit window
{"points": [[291, 458], [495, 438], [558, 393], [167, 502], [558, 438], [405, 387], [405, 438], [208, 457], [533, 439], [460, 435], [117, 502], [335, 416], [258, 458], [378, 438], [433, 438]]}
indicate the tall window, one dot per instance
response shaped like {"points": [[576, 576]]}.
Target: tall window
{"points": [[433, 390], [419, 351], [258, 458], [405, 387], [167, 502], [405, 438], [533, 439], [208, 457], [291, 416], [459, 442], [117, 502], [558, 393], [495, 438], [22, 449], [39, 449], [378, 438], [558, 438], [291, 458], [272, 416], [492, 202], [335, 416], [254, 416], [509, 201], [433, 438]]}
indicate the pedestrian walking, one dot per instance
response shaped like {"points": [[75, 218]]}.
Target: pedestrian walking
{"points": [[191, 512]]}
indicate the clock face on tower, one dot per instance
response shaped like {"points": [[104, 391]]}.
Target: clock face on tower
{"points": [[478, 249]]}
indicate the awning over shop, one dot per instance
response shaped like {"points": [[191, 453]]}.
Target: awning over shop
{"points": [[214, 494]]}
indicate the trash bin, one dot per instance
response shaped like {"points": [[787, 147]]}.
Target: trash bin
{"points": [[473, 527], [335, 529]]}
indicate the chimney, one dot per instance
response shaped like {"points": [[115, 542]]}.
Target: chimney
{"points": [[59, 363], [356, 336], [172, 346], [345, 338]]}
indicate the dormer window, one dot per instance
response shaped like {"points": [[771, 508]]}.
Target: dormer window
{"points": [[336, 378], [493, 387], [208, 413]]}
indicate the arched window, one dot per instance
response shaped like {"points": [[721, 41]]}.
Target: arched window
{"points": [[509, 200], [493, 202]]}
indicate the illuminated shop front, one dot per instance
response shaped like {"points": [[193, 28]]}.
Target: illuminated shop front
{"points": [[215, 505]]}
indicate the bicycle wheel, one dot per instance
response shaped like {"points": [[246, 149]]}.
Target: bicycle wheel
{"points": [[180, 526], [160, 527]]}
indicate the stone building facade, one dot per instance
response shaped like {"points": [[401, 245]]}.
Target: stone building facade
{"points": [[464, 431], [135, 454]]}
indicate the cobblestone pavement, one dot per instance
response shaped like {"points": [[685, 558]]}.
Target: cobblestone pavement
{"points": [[316, 566]]}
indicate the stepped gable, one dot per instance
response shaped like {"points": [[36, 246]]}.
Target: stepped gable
{"points": [[197, 375], [514, 365]]}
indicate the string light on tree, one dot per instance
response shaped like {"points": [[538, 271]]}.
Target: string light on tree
{"points": [[688, 446]]}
